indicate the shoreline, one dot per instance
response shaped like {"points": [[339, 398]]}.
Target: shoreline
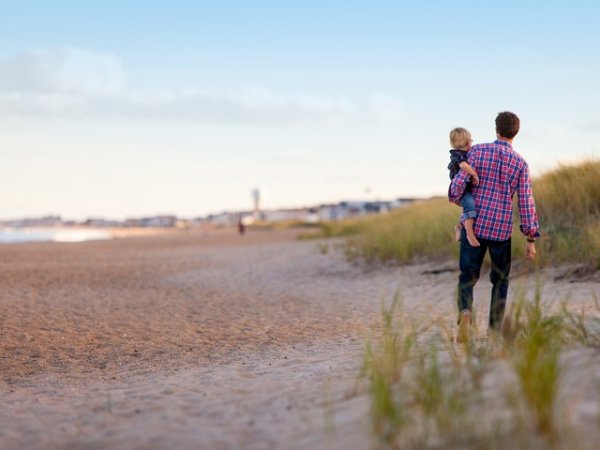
{"points": [[71, 234]]}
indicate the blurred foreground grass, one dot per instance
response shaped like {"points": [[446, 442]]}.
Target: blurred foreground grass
{"points": [[506, 390], [568, 205]]}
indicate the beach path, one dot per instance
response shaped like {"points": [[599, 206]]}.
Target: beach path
{"points": [[197, 340]]}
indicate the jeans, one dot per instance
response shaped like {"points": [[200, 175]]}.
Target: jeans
{"points": [[471, 259], [468, 203]]}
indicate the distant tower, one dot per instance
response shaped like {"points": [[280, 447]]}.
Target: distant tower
{"points": [[256, 199]]}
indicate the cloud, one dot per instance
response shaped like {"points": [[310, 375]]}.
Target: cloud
{"points": [[43, 105], [247, 105], [387, 108], [592, 125], [65, 71], [79, 83]]}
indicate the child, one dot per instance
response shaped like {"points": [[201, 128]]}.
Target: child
{"points": [[460, 139]]}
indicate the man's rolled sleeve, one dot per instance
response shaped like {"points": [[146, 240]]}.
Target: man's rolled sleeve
{"points": [[458, 186], [529, 220]]}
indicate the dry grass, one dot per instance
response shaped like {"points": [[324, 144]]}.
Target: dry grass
{"points": [[568, 204], [427, 392], [570, 195]]}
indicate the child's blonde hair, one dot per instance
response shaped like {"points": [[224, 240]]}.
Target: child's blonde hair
{"points": [[460, 138]]}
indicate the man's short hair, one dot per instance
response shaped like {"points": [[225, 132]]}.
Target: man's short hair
{"points": [[460, 138], [507, 124]]}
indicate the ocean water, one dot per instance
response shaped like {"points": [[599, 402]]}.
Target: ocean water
{"points": [[12, 235]]}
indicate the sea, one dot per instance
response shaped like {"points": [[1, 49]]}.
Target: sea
{"points": [[16, 235]]}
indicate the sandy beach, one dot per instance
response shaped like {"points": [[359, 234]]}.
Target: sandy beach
{"points": [[212, 341]]}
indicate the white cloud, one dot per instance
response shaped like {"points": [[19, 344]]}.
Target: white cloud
{"points": [[62, 71], [592, 125], [387, 108], [43, 104], [80, 83], [251, 105], [247, 105]]}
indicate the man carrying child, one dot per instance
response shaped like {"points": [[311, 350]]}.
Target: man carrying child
{"points": [[502, 173]]}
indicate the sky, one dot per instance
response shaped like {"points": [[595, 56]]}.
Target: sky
{"points": [[123, 109]]}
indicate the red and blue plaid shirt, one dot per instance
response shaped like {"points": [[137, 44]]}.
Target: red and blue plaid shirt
{"points": [[502, 172]]}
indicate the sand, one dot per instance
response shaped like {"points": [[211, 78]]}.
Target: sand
{"points": [[211, 341]]}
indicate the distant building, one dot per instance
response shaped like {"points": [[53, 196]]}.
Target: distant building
{"points": [[324, 212], [152, 222], [102, 223], [286, 215], [400, 202], [256, 200], [159, 221], [46, 222], [329, 212], [224, 219], [356, 208]]}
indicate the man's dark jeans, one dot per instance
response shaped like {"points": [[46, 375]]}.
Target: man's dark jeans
{"points": [[471, 259]]}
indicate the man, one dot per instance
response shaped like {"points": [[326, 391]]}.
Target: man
{"points": [[502, 172]]}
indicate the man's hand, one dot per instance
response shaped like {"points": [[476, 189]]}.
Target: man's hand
{"points": [[530, 251], [475, 180]]}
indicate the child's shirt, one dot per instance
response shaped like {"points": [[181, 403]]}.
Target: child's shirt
{"points": [[456, 157]]}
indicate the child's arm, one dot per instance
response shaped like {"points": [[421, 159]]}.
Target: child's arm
{"points": [[467, 168]]}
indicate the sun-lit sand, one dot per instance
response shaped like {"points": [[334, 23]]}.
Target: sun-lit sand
{"points": [[211, 341]]}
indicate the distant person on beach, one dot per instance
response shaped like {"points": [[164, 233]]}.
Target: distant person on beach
{"points": [[241, 227], [460, 140], [502, 172]]}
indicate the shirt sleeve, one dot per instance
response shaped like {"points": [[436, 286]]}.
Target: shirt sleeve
{"points": [[458, 186], [529, 220]]}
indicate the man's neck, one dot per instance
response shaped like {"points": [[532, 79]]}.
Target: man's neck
{"points": [[500, 138]]}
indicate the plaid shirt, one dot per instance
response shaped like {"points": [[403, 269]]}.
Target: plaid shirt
{"points": [[502, 172]]}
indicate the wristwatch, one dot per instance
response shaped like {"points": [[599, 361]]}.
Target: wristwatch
{"points": [[531, 240]]}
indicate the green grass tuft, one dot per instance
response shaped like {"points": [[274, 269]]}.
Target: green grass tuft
{"points": [[536, 339], [427, 392]]}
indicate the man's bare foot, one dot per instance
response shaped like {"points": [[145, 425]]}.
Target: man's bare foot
{"points": [[473, 240], [457, 231]]}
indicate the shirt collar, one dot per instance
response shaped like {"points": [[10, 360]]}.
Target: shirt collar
{"points": [[503, 143]]}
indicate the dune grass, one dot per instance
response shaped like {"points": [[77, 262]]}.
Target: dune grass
{"points": [[503, 390], [569, 195], [498, 392], [535, 340], [347, 227], [280, 225], [568, 205], [384, 365], [424, 229]]}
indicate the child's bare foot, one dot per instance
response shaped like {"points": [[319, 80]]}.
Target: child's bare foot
{"points": [[473, 240], [457, 231]]}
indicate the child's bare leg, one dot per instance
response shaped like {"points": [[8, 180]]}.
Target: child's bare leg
{"points": [[470, 235]]}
